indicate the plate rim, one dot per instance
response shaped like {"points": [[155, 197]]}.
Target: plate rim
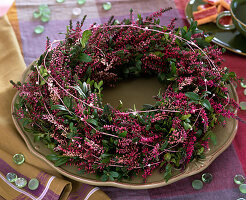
{"points": [[215, 40]]}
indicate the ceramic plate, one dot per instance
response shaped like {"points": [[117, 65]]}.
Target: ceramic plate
{"points": [[224, 135], [231, 40]]}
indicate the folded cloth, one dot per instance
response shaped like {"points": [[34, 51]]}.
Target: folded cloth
{"points": [[51, 184]]}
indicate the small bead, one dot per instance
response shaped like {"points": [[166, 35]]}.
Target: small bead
{"points": [[45, 18], [239, 179], [11, 177], [18, 158], [81, 2], [46, 11], [243, 105], [36, 14], [242, 188], [107, 6], [42, 7], [20, 182], [39, 29], [243, 84], [197, 184], [76, 11], [60, 1], [207, 177], [33, 184]]}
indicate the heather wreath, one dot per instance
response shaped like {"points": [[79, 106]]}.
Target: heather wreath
{"points": [[60, 102]]}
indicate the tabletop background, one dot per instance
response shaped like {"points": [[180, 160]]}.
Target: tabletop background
{"points": [[224, 168]]}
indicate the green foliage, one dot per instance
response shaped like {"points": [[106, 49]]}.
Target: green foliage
{"points": [[59, 107], [92, 121], [84, 58], [193, 96], [111, 175], [206, 104], [61, 161], [85, 37], [44, 75], [123, 134], [80, 91], [168, 172], [199, 100], [52, 157]]}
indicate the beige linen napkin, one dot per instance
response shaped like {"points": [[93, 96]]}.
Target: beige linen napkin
{"points": [[52, 184]]}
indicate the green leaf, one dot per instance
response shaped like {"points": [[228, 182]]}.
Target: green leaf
{"points": [[92, 121], [107, 109], [42, 81], [158, 54], [85, 37], [61, 161], [168, 172], [120, 53], [209, 38], [134, 140], [162, 76], [114, 174], [84, 87], [105, 155], [177, 41], [58, 107], [104, 177], [164, 145], [100, 84], [167, 157], [138, 65], [37, 138], [207, 134], [184, 117], [52, 157], [166, 36], [206, 104], [213, 138], [126, 70], [232, 75], [201, 42], [200, 151], [105, 160], [82, 94], [147, 106], [120, 105], [123, 134], [198, 133], [187, 126], [67, 101], [173, 68], [187, 36], [111, 178], [71, 126], [84, 57], [183, 31], [51, 146], [70, 135], [192, 96]]}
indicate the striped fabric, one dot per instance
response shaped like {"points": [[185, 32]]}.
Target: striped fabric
{"points": [[230, 163]]}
